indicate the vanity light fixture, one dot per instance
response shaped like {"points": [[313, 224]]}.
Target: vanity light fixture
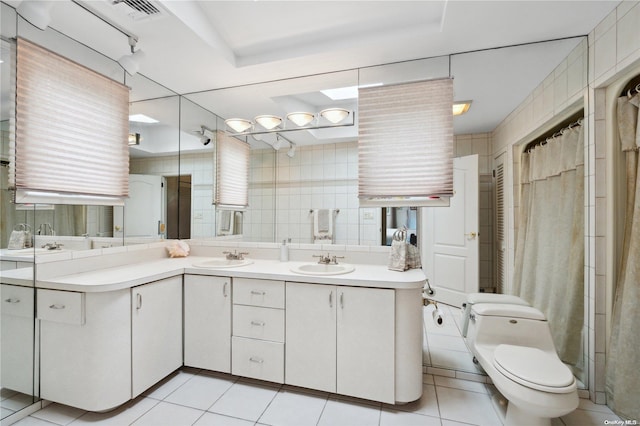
{"points": [[269, 122], [141, 118], [238, 124], [461, 107], [301, 119], [335, 115]]}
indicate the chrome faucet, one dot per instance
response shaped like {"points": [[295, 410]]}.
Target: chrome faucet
{"points": [[235, 255], [328, 259], [52, 246]]}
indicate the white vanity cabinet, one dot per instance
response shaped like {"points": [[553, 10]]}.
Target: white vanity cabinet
{"points": [[85, 348], [156, 332], [341, 339], [17, 337], [258, 329], [207, 322]]}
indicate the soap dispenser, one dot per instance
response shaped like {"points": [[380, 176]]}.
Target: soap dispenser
{"points": [[284, 251]]}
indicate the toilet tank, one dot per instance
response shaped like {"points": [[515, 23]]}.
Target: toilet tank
{"points": [[494, 324]]}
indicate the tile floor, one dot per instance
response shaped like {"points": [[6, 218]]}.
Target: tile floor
{"points": [[201, 398]]}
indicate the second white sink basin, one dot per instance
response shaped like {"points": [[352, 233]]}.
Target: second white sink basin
{"points": [[323, 269], [221, 262]]}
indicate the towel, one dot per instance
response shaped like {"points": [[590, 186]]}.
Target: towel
{"points": [[323, 225], [225, 220]]}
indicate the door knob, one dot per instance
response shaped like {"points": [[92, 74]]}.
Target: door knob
{"points": [[472, 235]]}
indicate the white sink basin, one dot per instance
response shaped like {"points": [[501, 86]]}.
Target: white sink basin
{"points": [[323, 269], [221, 262], [30, 251]]}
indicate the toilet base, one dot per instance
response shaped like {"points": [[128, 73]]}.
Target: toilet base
{"points": [[518, 417]]}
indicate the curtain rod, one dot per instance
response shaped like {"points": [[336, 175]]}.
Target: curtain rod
{"points": [[555, 134]]}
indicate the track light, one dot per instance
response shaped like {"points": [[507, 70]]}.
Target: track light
{"points": [[292, 150], [269, 122], [131, 63], [36, 13]]}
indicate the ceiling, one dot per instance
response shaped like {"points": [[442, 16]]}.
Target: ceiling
{"points": [[196, 46]]}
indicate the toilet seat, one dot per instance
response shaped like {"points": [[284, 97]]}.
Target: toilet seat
{"points": [[533, 368]]}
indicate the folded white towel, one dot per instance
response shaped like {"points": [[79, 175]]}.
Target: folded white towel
{"points": [[323, 225]]}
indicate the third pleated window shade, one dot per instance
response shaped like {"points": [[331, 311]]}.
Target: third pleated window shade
{"points": [[232, 172], [405, 145]]}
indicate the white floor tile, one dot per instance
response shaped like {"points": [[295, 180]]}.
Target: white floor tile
{"points": [[427, 405], [59, 414], [291, 408], [17, 401], [4, 412], [166, 414], [32, 421], [124, 415], [586, 404], [213, 419], [200, 391], [460, 384], [343, 412], [244, 401], [452, 423], [467, 407], [588, 418], [168, 385], [6, 393], [401, 418]]}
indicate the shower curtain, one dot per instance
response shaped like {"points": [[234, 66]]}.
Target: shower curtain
{"points": [[623, 356], [549, 267]]}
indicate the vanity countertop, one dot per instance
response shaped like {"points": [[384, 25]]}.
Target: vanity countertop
{"points": [[121, 277], [19, 276]]}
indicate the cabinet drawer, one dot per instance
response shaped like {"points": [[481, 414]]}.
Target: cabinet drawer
{"points": [[17, 301], [60, 306], [258, 359], [258, 323], [265, 293]]}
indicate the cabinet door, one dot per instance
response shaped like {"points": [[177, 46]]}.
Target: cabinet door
{"points": [[207, 322], [16, 338], [311, 336], [366, 342], [156, 326]]}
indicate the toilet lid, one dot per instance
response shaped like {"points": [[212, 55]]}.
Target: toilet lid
{"points": [[533, 368]]}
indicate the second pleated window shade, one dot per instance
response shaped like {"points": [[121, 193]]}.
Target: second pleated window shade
{"points": [[405, 145], [232, 172]]}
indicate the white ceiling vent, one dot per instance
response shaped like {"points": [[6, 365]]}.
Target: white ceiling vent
{"points": [[138, 9]]}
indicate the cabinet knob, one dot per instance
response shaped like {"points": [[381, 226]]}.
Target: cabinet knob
{"points": [[224, 289], [56, 306], [256, 360], [258, 293], [258, 323], [12, 300]]}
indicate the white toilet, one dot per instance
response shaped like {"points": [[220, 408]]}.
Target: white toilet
{"points": [[514, 346], [474, 298]]}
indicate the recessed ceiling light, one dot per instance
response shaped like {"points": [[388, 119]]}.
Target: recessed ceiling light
{"points": [[141, 118], [461, 107]]}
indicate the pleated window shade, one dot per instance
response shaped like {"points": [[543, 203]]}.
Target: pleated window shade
{"points": [[405, 145], [232, 172], [71, 132]]}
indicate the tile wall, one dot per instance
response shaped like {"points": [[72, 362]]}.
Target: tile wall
{"points": [[611, 50]]}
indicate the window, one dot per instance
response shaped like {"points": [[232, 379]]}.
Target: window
{"points": [[232, 172], [71, 132], [405, 146]]}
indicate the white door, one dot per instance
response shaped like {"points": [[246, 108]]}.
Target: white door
{"points": [[310, 352], [144, 210], [366, 343], [156, 332], [207, 322], [451, 237]]}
